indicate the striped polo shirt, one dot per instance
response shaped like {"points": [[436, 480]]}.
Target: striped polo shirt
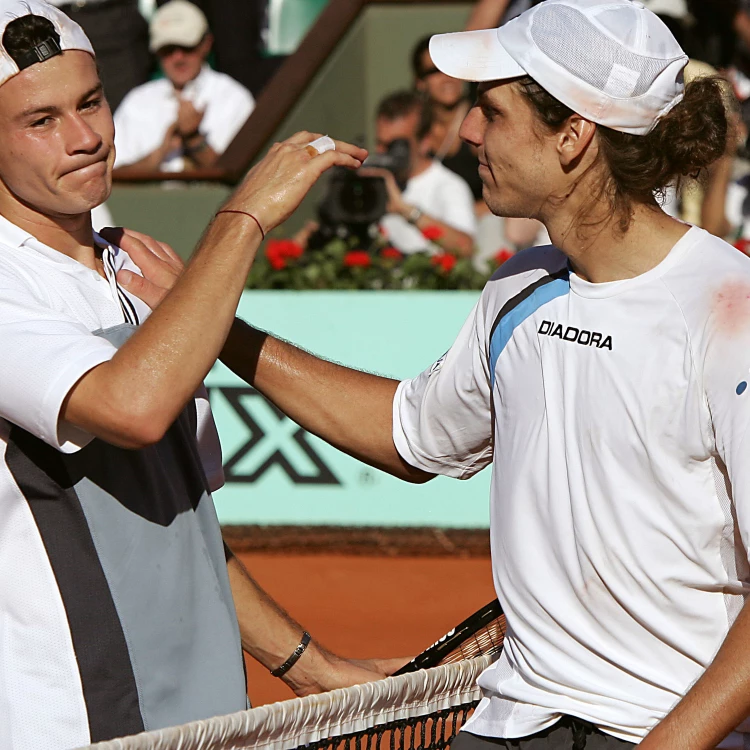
{"points": [[115, 608]]}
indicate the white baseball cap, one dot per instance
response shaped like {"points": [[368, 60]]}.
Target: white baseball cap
{"points": [[71, 35], [177, 22], [611, 61]]}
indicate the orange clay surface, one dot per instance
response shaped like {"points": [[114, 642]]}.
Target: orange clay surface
{"points": [[368, 606]]}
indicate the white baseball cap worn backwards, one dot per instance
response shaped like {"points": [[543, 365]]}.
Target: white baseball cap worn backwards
{"points": [[71, 34], [611, 61]]}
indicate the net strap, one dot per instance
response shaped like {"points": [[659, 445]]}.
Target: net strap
{"points": [[289, 724]]}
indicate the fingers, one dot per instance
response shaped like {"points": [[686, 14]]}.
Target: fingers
{"points": [[150, 293], [131, 239], [334, 159]]}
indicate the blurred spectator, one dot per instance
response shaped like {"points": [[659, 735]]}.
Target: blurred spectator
{"points": [[237, 28], [188, 118], [434, 201], [119, 35], [449, 103]]}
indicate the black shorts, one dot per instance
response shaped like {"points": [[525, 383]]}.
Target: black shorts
{"points": [[568, 734]]}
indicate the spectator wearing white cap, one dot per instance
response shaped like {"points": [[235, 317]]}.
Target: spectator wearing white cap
{"points": [[188, 118]]}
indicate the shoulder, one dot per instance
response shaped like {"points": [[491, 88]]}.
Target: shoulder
{"points": [[522, 275], [221, 83], [440, 173], [146, 93], [711, 287]]}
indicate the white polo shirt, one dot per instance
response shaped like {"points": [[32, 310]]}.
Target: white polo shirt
{"points": [[615, 417], [115, 608], [149, 110], [439, 193]]}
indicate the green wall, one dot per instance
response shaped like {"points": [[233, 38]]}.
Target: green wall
{"points": [[372, 60], [277, 473]]}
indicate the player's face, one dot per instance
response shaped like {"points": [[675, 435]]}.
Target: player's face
{"points": [[56, 137], [182, 64], [519, 164], [440, 88]]}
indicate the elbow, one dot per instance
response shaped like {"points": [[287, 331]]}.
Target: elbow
{"points": [[135, 429], [416, 476]]}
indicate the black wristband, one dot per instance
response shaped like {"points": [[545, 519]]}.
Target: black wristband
{"points": [[292, 660]]}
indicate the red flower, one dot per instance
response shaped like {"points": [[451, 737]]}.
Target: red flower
{"points": [[502, 255], [432, 233], [283, 249], [357, 258], [743, 245], [446, 261], [392, 253], [277, 262]]}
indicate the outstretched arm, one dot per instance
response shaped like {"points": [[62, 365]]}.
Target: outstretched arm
{"points": [[350, 409], [270, 635], [132, 399]]}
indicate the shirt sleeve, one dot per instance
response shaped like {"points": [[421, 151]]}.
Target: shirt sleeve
{"points": [[726, 379], [237, 107], [442, 419], [45, 353]]}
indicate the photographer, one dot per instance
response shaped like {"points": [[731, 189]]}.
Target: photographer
{"points": [[430, 189]]}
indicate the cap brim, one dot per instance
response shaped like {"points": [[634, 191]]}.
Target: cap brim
{"points": [[473, 56]]}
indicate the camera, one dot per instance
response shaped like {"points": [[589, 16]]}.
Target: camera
{"points": [[353, 202]]}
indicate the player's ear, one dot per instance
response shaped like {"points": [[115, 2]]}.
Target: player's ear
{"points": [[574, 138]]}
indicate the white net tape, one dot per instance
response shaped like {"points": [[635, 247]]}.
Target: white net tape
{"points": [[290, 724]]}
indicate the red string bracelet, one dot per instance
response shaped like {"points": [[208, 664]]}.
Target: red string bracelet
{"points": [[246, 213]]}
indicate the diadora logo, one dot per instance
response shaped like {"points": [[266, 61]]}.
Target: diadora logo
{"points": [[575, 335]]}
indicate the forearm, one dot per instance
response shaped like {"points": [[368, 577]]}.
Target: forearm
{"points": [[486, 14], [270, 635], [453, 240], [717, 703], [151, 377], [349, 409], [199, 151]]}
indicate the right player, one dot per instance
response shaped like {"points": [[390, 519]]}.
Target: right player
{"points": [[607, 380]]}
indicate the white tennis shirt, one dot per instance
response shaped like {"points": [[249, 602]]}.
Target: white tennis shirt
{"points": [[615, 416]]}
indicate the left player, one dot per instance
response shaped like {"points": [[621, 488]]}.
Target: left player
{"points": [[120, 608]]}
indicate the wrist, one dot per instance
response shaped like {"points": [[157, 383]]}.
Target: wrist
{"points": [[194, 142], [411, 213]]}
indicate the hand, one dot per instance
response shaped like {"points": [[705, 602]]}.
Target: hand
{"points": [[338, 673], [188, 117], [274, 187], [396, 203], [158, 262]]}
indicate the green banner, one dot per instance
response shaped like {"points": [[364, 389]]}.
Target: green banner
{"points": [[277, 473]]}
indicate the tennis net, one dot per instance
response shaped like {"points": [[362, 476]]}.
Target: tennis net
{"points": [[423, 710]]}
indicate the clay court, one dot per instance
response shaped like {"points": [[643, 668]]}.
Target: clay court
{"points": [[362, 606]]}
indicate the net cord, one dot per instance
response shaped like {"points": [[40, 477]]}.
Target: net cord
{"points": [[289, 724]]}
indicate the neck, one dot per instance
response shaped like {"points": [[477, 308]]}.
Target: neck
{"points": [[600, 251], [69, 235]]}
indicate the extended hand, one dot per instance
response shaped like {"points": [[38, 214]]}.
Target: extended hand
{"points": [[339, 673], [158, 262], [274, 187]]}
